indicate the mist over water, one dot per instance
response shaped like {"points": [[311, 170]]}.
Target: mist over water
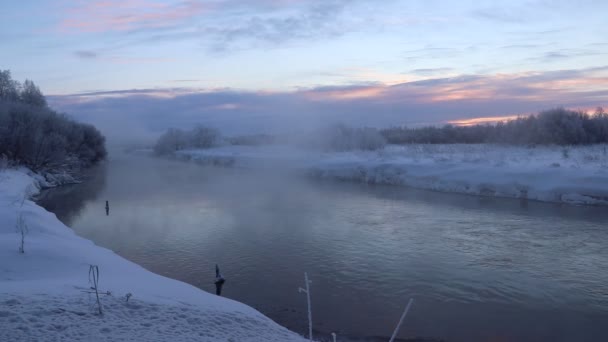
{"points": [[479, 268]]}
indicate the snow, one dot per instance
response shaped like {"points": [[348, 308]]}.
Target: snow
{"points": [[45, 292], [573, 175]]}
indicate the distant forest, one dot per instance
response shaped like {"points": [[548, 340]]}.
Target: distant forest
{"points": [[552, 127], [34, 135]]}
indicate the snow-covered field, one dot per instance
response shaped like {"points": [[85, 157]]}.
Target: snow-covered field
{"points": [[575, 175], [45, 292]]}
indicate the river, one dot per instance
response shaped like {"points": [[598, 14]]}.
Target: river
{"points": [[480, 269]]}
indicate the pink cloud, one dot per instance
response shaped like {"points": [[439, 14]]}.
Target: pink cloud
{"points": [[345, 93], [125, 15], [557, 87], [227, 106], [554, 86]]}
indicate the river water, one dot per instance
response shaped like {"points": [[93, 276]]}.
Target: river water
{"points": [[480, 269]]}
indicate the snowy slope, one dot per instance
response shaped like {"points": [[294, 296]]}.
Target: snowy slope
{"points": [[43, 298], [576, 175]]}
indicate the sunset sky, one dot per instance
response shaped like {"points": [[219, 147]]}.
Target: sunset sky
{"points": [[238, 63]]}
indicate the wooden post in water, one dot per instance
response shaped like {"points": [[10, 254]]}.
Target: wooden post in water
{"points": [[219, 281], [107, 208]]}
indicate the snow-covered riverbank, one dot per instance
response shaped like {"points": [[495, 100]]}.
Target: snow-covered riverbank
{"points": [[575, 175], [43, 292]]}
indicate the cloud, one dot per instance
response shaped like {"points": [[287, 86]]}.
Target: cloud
{"points": [[430, 71], [483, 120], [83, 54], [345, 92], [432, 52], [220, 26], [184, 81], [143, 113], [562, 54], [534, 11], [521, 46], [506, 15], [321, 19], [234, 25], [138, 60], [92, 55], [126, 15]]}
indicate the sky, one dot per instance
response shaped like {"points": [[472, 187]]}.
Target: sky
{"points": [[245, 65]]}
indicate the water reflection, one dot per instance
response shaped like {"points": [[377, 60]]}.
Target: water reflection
{"points": [[480, 268], [68, 201]]}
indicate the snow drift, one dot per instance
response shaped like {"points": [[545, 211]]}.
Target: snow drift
{"points": [[574, 175], [45, 292]]}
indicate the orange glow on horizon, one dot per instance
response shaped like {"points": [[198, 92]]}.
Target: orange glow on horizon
{"points": [[347, 94], [484, 120]]}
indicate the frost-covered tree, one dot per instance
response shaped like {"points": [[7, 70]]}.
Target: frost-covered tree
{"points": [[9, 89], [31, 94], [172, 140], [36, 136], [202, 137], [175, 139], [556, 126], [340, 137]]}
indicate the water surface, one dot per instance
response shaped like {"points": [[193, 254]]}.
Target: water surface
{"points": [[480, 269]]}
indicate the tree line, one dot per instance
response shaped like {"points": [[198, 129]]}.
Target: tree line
{"points": [[552, 127], [34, 135], [558, 126], [337, 137]]}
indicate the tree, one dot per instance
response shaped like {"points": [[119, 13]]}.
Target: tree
{"points": [[32, 95], [175, 139], [555, 126], [34, 135], [9, 89], [340, 137], [202, 137]]}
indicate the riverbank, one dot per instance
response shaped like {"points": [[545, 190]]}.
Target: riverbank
{"points": [[572, 175], [46, 292]]}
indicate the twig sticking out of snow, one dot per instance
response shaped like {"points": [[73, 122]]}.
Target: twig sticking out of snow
{"points": [[21, 227], [407, 308], [23, 230], [307, 291], [94, 276]]}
